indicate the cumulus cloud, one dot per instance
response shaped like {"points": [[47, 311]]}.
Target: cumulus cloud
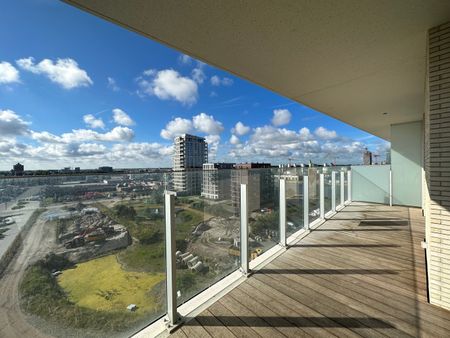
{"points": [[168, 84], [8, 73], [207, 124], [176, 127], [198, 75], [234, 140], [217, 81], [112, 84], [64, 72], [93, 122], [11, 124], [185, 59], [121, 118], [240, 129], [325, 134], [281, 117], [213, 145], [201, 123], [269, 143], [117, 134]]}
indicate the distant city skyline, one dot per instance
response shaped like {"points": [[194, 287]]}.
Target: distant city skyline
{"points": [[77, 91]]}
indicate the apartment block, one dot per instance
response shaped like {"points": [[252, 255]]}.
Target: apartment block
{"points": [[260, 182], [190, 153], [217, 180]]}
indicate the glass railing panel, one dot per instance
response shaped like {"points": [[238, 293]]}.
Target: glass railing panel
{"points": [[294, 204], [314, 193], [90, 254], [370, 183], [264, 215], [207, 230]]}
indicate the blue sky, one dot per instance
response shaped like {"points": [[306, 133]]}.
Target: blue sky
{"points": [[79, 91]]}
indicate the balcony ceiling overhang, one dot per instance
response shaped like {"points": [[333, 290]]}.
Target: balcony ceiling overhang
{"points": [[351, 59]]}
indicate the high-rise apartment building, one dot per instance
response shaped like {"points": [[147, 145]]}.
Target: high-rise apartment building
{"points": [[217, 180], [367, 157], [18, 169], [190, 153]]}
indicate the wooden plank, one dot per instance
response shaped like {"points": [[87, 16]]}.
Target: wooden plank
{"points": [[348, 280], [234, 323], [194, 329]]}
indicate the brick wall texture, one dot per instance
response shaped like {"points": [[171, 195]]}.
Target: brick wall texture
{"points": [[437, 164]]}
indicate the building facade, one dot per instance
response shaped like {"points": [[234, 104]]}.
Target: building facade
{"points": [[260, 182], [190, 153], [216, 184]]}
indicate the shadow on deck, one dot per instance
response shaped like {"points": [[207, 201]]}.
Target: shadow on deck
{"points": [[360, 274]]}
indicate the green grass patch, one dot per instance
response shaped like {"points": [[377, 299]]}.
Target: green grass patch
{"points": [[93, 295]]}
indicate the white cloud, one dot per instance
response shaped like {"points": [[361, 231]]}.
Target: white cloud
{"points": [[198, 75], [269, 143], [93, 122], [12, 124], [168, 84], [240, 129], [281, 117], [185, 59], [112, 84], [305, 134], [176, 127], [213, 145], [121, 118], [201, 123], [234, 140], [325, 134], [207, 124], [217, 81], [8, 73], [64, 72], [117, 134]]}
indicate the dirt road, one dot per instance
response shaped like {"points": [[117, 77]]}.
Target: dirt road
{"points": [[12, 321]]}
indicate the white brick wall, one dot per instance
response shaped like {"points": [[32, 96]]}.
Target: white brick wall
{"points": [[437, 164]]}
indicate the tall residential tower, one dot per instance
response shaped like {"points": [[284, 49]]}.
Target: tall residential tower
{"points": [[191, 152]]}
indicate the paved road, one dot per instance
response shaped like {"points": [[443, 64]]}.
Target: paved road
{"points": [[12, 321]]}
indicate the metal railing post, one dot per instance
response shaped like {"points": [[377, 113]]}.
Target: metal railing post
{"points": [[342, 188], [305, 203], [322, 196], [390, 187], [173, 318], [244, 230], [283, 212], [333, 191], [349, 185]]}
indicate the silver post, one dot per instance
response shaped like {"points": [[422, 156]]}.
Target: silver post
{"points": [[390, 187], [322, 196], [333, 191], [173, 318], [349, 185], [244, 230], [305, 203], [342, 188], [283, 212]]}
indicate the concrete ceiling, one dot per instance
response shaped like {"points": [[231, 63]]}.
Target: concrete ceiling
{"points": [[351, 59]]}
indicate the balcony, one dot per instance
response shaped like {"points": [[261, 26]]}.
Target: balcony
{"points": [[288, 256], [359, 273]]}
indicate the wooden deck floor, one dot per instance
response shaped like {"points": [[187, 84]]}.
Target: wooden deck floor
{"points": [[359, 274]]}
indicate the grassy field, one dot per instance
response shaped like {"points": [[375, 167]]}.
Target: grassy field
{"points": [[148, 255], [101, 284]]}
